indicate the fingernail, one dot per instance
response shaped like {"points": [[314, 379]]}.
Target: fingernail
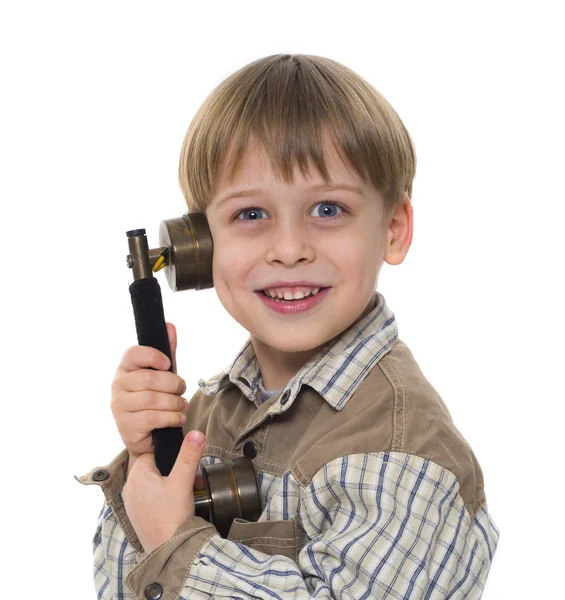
{"points": [[196, 438], [185, 404]]}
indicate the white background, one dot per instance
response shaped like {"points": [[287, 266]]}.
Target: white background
{"points": [[96, 99]]}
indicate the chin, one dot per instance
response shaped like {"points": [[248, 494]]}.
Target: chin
{"points": [[295, 344]]}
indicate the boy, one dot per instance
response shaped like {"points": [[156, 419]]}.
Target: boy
{"points": [[368, 489]]}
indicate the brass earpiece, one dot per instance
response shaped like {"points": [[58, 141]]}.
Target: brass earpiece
{"points": [[185, 252]]}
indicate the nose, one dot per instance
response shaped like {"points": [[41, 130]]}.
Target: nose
{"points": [[290, 243]]}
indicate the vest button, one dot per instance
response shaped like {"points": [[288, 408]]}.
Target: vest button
{"points": [[101, 475], [153, 591], [250, 450], [285, 397]]}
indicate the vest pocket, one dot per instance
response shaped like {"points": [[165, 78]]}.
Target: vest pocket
{"points": [[270, 537]]}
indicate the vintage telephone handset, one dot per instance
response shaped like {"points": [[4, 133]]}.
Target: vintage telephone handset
{"points": [[185, 253]]}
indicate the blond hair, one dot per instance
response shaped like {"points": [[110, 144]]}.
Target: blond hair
{"points": [[287, 102]]}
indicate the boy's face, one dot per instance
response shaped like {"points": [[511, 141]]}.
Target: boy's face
{"points": [[292, 237]]}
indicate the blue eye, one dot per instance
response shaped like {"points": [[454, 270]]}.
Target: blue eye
{"points": [[257, 211], [334, 205], [254, 211]]}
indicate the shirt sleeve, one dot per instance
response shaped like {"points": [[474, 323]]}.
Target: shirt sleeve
{"points": [[380, 525]]}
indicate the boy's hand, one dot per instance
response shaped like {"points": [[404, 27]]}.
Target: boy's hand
{"points": [[143, 399], [157, 505]]}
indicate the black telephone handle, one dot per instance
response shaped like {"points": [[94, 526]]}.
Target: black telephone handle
{"points": [[152, 331]]}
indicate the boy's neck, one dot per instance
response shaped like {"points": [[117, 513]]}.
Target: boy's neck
{"points": [[277, 367]]}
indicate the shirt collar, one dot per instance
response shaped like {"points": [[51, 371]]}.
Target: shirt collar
{"points": [[335, 372]]}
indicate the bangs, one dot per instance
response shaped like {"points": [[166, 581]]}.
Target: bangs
{"points": [[290, 105]]}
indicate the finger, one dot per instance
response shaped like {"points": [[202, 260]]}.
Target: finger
{"points": [[172, 333], [148, 379], [185, 469], [199, 483], [134, 402], [140, 357], [146, 463], [142, 422]]}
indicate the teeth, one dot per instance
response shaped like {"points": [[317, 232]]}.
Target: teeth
{"points": [[290, 296]]}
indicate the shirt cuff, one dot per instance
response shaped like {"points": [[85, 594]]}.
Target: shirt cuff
{"points": [[111, 479], [162, 573]]}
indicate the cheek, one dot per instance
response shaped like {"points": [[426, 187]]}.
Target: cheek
{"points": [[352, 251], [219, 268], [229, 266], [356, 258]]}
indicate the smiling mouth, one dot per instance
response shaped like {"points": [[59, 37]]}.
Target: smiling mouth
{"points": [[276, 299]]}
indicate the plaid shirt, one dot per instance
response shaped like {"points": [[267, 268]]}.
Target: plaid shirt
{"points": [[385, 524]]}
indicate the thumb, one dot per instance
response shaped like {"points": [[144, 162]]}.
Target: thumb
{"points": [[188, 460], [172, 333]]}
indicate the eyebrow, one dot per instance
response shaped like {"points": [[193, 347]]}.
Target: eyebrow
{"points": [[319, 187]]}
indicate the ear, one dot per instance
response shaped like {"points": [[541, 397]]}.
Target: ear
{"points": [[399, 232]]}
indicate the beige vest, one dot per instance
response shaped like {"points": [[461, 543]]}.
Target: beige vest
{"points": [[394, 409]]}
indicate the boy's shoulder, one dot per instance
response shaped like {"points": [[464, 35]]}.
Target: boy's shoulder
{"points": [[395, 409]]}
